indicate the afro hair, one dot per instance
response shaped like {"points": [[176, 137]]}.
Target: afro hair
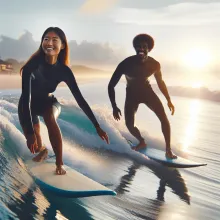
{"points": [[146, 38]]}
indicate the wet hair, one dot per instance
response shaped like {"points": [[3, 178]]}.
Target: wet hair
{"points": [[39, 55], [144, 38]]}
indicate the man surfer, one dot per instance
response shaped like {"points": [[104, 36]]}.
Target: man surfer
{"points": [[137, 69]]}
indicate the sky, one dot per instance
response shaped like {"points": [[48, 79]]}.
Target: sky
{"points": [[186, 33]]}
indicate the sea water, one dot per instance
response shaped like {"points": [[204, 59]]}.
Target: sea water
{"points": [[145, 189]]}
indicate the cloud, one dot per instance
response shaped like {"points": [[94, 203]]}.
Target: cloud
{"points": [[20, 48], [95, 53], [146, 4], [178, 14], [85, 52], [97, 6]]}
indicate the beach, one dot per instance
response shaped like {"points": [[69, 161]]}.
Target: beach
{"points": [[13, 81], [10, 81]]}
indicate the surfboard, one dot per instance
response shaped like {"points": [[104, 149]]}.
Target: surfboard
{"points": [[159, 156], [72, 185]]}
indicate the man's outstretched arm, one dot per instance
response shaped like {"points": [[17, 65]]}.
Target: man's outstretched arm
{"points": [[163, 88], [113, 82]]}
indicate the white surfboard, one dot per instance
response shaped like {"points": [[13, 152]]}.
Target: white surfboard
{"points": [[159, 156], [72, 184]]}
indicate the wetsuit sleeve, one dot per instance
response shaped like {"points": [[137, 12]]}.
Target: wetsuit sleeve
{"points": [[113, 82], [26, 100], [72, 84]]}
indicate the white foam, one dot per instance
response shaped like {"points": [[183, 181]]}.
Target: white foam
{"points": [[11, 107], [15, 135], [116, 131]]}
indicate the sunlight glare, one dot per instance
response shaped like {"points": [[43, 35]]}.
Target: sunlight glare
{"points": [[197, 58], [196, 85], [190, 132]]}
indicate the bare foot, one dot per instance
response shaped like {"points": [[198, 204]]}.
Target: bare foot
{"points": [[60, 170], [41, 156], [141, 145], [169, 154]]}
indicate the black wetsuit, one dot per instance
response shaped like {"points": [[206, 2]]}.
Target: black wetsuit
{"points": [[138, 89], [36, 88]]}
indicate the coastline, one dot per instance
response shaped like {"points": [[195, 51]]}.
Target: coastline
{"points": [[8, 82], [14, 81]]}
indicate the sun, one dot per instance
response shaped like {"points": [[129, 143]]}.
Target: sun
{"points": [[197, 58], [196, 85]]}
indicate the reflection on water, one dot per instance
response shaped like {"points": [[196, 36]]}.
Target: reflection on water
{"points": [[41, 202], [168, 177], [191, 126], [37, 204], [63, 207], [161, 190], [126, 180], [142, 207]]}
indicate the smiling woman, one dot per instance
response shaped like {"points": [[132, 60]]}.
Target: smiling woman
{"points": [[42, 73]]}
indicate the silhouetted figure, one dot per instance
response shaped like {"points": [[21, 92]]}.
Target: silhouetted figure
{"points": [[137, 69]]}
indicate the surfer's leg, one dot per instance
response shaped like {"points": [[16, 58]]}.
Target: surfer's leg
{"points": [[50, 116], [36, 126], [154, 103], [129, 111], [42, 150], [38, 136]]}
